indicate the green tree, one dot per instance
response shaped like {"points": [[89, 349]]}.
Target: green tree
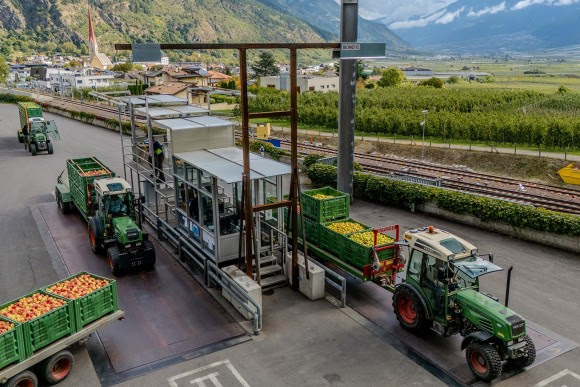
{"points": [[433, 82], [360, 68], [4, 69], [123, 67], [453, 80], [266, 65], [563, 90], [391, 77]]}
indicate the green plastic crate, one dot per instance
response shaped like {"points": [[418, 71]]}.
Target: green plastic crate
{"points": [[359, 255], [312, 228], [48, 328], [332, 241], [92, 306], [12, 349], [325, 210], [79, 185]]}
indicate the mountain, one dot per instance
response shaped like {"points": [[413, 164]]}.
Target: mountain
{"points": [[494, 26], [324, 17], [52, 25]]}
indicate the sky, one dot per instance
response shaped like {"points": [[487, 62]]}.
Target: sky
{"points": [[397, 9]]}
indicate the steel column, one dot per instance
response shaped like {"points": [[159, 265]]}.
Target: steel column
{"points": [[346, 108], [248, 210], [294, 160]]}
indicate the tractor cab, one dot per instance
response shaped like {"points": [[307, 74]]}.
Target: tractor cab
{"points": [[114, 197]]}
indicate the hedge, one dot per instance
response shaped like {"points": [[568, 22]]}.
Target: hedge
{"points": [[270, 149], [13, 98], [402, 194]]}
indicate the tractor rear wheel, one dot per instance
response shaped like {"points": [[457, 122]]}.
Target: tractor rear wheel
{"points": [[149, 245], [525, 361], [483, 360], [113, 259], [50, 148], [33, 149], [95, 235], [409, 310], [56, 368]]}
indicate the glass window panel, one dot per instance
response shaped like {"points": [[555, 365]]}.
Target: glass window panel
{"points": [[181, 201], [207, 212], [193, 203], [205, 181], [178, 167], [191, 175]]}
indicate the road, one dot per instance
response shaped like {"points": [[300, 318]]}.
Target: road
{"points": [[545, 286]]}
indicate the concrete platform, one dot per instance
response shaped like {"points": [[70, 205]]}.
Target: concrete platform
{"points": [[169, 317]]}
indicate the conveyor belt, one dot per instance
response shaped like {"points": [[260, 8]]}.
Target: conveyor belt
{"points": [[167, 313]]}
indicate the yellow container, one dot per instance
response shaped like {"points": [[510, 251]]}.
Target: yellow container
{"points": [[263, 131], [570, 174]]}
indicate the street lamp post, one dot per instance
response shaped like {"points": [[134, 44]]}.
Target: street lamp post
{"points": [[423, 125]]}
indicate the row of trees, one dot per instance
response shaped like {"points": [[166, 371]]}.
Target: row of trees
{"points": [[468, 115]]}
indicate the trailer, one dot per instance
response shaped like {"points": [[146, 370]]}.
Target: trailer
{"points": [[109, 206], [435, 290], [35, 132], [53, 362]]}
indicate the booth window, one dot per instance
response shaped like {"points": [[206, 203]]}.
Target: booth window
{"points": [[206, 181], [178, 167], [191, 175], [207, 212], [181, 201], [193, 203]]}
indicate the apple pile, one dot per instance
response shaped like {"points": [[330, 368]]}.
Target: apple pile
{"points": [[29, 308], [5, 326], [96, 172], [78, 286]]}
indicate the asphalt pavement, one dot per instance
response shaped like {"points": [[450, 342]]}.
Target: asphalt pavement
{"points": [[544, 287]]}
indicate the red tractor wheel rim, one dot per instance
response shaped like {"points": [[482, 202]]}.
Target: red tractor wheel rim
{"points": [[110, 262], [28, 382], [92, 237], [407, 310], [478, 362], [61, 369]]}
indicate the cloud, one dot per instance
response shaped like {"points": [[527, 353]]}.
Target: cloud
{"points": [[489, 10], [449, 16], [396, 10], [526, 3], [421, 22]]}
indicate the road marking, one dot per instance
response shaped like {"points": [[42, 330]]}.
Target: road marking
{"points": [[200, 382], [559, 375]]}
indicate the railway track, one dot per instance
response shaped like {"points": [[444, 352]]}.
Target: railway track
{"points": [[534, 194]]}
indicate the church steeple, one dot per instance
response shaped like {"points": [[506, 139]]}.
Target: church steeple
{"points": [[93, 46]]}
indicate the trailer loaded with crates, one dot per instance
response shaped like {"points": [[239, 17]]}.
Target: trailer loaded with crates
{"points": [[37, 329], [436, 289], [109, 206]]}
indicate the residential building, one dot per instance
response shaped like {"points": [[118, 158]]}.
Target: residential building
{"points": [[214, 77], [87, 78], [304, 83], [416, 71], [181, 90]]}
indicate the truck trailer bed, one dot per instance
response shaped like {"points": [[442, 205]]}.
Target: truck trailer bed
{"points": [[44, 353]]}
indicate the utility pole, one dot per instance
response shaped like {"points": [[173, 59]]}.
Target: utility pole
{"points": [[424, 112], [348, 33]]}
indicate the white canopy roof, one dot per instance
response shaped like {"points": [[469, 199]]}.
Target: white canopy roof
{"points": [[227, 164]]}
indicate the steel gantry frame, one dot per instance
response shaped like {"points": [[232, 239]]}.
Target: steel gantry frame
{"points": [[248, 209]]}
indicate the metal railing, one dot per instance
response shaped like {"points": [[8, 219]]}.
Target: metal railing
{"points": [[211, 270], [336, 281], [416, 180]]}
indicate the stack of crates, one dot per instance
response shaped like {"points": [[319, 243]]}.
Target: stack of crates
{"points": [[81, 175], [26, 338], [321, 212]]}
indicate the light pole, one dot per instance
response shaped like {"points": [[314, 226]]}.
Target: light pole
{"points": [[423, 125]]}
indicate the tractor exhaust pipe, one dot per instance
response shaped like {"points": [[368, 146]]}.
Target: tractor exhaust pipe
{"points": [[507, 289]]}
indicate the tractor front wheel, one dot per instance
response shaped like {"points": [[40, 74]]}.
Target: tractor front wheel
{"points": [[525, 361], [113, 259], [149, 245], [483, 360], [409, 310], [33, 149], [20, 137], [50, 148]]}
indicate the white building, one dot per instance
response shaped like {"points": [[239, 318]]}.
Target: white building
{"points": [[78, 80], [304, 83]]}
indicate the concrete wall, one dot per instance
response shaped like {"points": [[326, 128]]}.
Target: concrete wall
{"points": [[563, 242]]}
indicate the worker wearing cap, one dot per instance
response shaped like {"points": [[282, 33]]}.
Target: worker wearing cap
{"points": [[159, 158]]}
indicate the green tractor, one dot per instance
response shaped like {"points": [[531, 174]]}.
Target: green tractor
{"points": [[440, 292], [109, 207], [35, 132]]}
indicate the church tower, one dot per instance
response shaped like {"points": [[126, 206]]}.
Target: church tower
{"points": [[96, 59], [93, 46]]}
